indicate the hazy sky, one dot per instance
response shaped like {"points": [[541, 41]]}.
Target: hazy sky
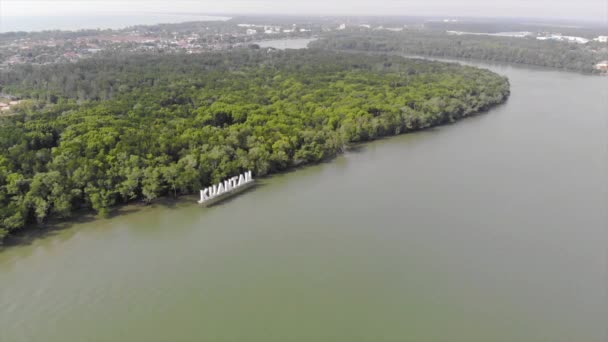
{"points": [[596, 10]]}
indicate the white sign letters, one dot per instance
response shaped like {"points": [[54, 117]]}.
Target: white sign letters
{"points": [[225, 187]]}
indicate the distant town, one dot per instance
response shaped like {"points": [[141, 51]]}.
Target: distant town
{"points": [[197, 37], [69, 46]]}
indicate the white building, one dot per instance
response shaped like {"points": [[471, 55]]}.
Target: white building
{"points": [[602, 39], [602, 66], [571, 39], [251, 32], [271, 29], [342, 27], [579, 40]]}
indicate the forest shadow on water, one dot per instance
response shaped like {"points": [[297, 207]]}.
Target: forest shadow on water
{"points": [[37, 232], [30, 234], [33, 233]]}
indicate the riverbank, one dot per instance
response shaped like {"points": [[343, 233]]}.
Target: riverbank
{"points": [[312, 104], [304, 43], [27, 235], [565, 56]]}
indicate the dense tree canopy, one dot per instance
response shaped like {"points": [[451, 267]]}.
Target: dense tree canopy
{"points": [[116, 129], [555, 54]]}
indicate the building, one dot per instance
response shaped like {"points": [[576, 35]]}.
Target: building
{"points": [[570, 39], [251, 32], [602, 66], [271, 29], [602, 39]]}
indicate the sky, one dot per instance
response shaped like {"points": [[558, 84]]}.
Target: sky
{"points": [[594, 10]]}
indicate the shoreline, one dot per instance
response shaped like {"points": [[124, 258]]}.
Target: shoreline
{"points": [[34, 232], [473, 61], [445, 59]]}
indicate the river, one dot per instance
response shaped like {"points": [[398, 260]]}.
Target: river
{"points": [[490, 229], [300, 43]]}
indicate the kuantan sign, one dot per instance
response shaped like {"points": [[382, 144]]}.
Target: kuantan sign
{"points": [[226, 188]]}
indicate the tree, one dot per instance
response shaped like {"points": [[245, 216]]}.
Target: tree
{"points": [[152, 184]]}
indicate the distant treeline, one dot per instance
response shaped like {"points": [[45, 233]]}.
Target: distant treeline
{"points": [[112, 130], [555, 54]]}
